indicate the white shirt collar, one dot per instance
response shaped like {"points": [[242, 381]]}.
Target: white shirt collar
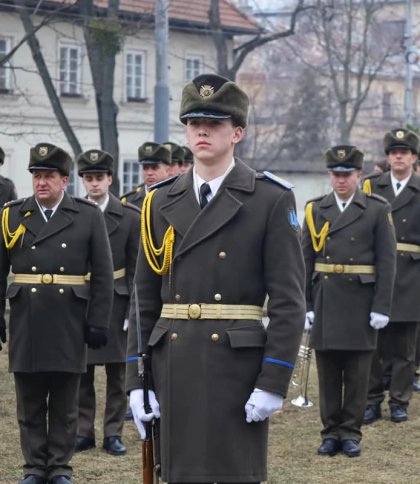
{"points": [[403, 183], [340, 202], [103, 205], [42, 208], [214, 184]]}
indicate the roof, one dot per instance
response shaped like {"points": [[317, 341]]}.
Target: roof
{"points": [[186, 12]]}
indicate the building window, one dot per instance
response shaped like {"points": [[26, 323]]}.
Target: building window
{"points": [[193, 67], [70, 70], [135, 76], [5, 69], [72, 187], [132, 176]]}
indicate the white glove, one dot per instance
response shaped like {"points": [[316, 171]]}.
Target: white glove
{"points": [[378, 321], [261, 405], [137, 407], [309, 320], [125, 325]]}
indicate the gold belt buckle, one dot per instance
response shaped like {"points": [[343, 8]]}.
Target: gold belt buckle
{"points": [[46, 279], [338, 268], [194, 311]]}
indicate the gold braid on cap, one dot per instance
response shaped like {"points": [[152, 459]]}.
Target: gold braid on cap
{"points": [[318, 240], [10, 238], [151, 252], [367, 187]]}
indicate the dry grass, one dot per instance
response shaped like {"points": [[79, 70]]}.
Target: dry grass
{"points": [[390, 452]]}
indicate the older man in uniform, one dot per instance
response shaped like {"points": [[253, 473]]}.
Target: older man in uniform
{"points": [[7, 187], [155, 160], [123, 224], [349, 249], [218, 373], [50, 241], [396, 344]]}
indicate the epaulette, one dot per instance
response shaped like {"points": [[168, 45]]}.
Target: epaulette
{"points": [[315, 199], [163, 183], [266, 175], [131, 206], [372, 175], [377, 197], [123, 198], [14, 202], [86, 201]]}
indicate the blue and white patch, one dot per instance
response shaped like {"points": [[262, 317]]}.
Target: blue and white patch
{"points": [[293, 220], [280, 181]]}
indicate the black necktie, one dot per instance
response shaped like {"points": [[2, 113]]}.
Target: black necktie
{"points": [[398, 185], [48, 213], [204, 191], [344, 204]]}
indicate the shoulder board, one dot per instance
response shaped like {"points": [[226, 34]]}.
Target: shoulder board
{"points": [[123, 198], [86, 201], [266, 175], [370, 176], [163, 183], [315, 199], [129, 205], [375, 196], [14, 202]]}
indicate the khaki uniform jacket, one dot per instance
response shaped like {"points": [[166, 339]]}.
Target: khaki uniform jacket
{"points": [[7, 190], [406, 214], [136, 196], [47, 321], [123, 227], [243, 244], [361, 235]]}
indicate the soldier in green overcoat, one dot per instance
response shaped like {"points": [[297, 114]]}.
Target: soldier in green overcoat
{"points": [[50, 241], [230, 237]]}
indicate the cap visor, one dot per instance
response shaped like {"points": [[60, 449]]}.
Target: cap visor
{"points": [[36, 168], [150, 162], [206, 114], [342, 169]]}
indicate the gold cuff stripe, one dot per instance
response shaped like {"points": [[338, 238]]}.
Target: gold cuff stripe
{"points": [[211, 311], [117, 274], [49, 279], [344, 268], [408, 248]]}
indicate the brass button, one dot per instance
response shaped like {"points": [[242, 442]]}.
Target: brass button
{"points": [[174, 336], [46, 278], [403, 238], [194, 311], [61, 269], [33, 268], [63, 245], [177, 297], [404, 220], [350, 279], [328, 238], [351, 259], [222, 255], [338, 268], [352, 239], [215, 337], [325, 277], [217, 297], [33, 247], [328, 257], [61, 290], [33, 289]]}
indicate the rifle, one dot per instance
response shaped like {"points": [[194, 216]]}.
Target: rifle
{"points": [[151, 466]]}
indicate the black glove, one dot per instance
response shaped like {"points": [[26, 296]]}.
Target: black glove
{"points": [[2, 331], [96, 337]]}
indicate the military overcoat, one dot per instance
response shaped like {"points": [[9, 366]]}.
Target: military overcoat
{"points": [[136, 196], [363, 234], [123, 226], [244, 244], [47, 321], [7, 190], [406, 214]]}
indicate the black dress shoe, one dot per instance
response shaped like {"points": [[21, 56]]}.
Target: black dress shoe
{"points": [[398, 413], [114, 446], [329, 447], [84, 443], [60, 480], [350, 448], [372, 413], [33, 479], [416, 384]]}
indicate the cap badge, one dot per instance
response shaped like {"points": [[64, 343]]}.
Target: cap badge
{"points": [[148, 149], [341, 154], [94, 156], [400, 134], [206, 90], [43, 151]]}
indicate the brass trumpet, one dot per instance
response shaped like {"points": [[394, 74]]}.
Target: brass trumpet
{"points": [[300, 376]]}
